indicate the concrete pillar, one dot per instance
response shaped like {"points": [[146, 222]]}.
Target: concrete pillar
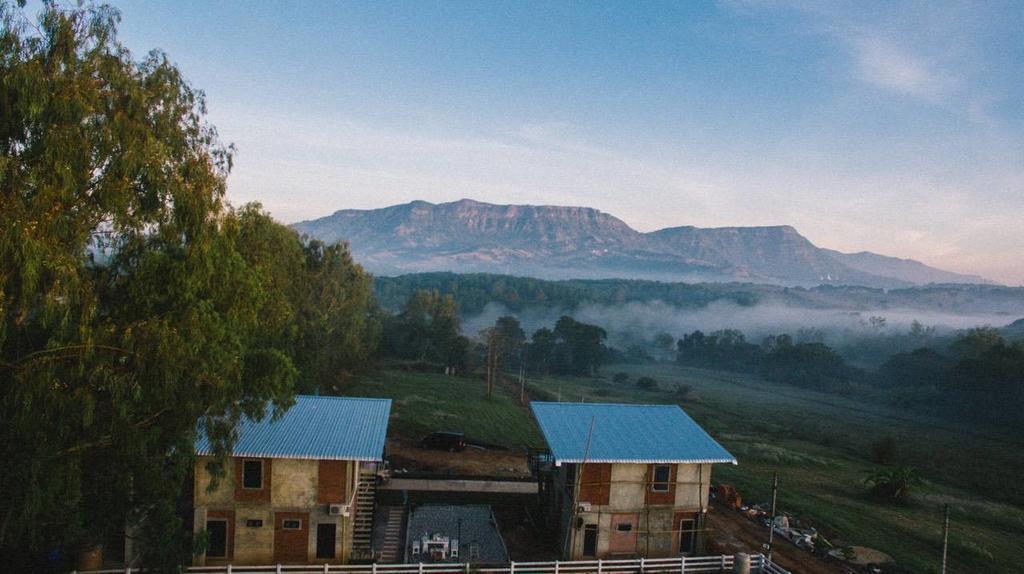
{"points": [[741, 564]]}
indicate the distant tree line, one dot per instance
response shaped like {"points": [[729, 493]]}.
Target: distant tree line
{"points": [[474, 291], [979, 370], [777, 358], [428, 331]]}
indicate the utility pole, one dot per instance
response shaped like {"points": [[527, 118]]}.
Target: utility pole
{"points": [[570, 540], [771, 523], [492, 362], [522, 379], [945, 537]]}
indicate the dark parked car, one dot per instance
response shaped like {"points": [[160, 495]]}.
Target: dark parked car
{"points": [[449, 441]]}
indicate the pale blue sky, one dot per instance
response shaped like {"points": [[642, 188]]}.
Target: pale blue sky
{"points": [[892, 127]]}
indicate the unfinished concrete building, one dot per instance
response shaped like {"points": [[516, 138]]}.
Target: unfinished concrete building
{"points": [[298, 489], [627, 480]]}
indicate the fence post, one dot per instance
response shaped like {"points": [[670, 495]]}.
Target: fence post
{"points": [[723, 562], [373, 567], [557, 564], [229, 569], [512, 567], [326, 568], [127, 570], [600, 566], [467, 567], [641, 564], [420, 570], [278, 569], [682, 565]]}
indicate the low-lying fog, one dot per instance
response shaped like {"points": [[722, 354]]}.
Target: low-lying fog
{"points": [[631, 322]]}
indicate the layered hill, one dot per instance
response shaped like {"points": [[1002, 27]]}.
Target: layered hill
{"points": [[557, 242]]}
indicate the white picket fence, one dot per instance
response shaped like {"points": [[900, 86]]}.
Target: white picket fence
{"points": [[680, 565]]}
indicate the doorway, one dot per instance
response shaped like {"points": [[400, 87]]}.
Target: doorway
{"points": [[291, 537]]}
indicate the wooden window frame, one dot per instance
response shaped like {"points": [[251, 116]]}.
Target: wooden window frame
{"points": [[665, 485], [285, 521]]}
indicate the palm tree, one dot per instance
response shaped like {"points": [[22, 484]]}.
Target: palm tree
{"points": [[894, 485]]}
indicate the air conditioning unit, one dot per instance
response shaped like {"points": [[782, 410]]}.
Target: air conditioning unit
{"points": [[584, 507], [339, 510]]}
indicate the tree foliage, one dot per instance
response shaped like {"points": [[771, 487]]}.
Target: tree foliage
{"points": [[725, 349], [894, 485], [572, 348], [133, 303], [428, 330]]}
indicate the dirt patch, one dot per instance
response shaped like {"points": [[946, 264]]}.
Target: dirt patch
{"points": [[732, 532], [473, 461]]}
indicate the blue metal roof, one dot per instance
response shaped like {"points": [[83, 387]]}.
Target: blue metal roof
{"points": [[325, 428], [625, 433]]}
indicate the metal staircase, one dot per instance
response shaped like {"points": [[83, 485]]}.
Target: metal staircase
{"points": [[366, 502]]}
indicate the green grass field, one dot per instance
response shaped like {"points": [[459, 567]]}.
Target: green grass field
{"points": [[423, 403], [819, 443]]}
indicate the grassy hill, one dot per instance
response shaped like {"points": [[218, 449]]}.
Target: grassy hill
{"points": [[821, 446], [423, 403], [819, 443]]}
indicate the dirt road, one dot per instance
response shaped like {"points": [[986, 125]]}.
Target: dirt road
{"points": [[472, 461], [733, 532]]}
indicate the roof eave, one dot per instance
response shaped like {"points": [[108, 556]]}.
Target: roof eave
{"points": [[561, 461], [361, 458]]}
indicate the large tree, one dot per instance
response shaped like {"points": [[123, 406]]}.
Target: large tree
{"points": [[428, 329], [132, 304]]}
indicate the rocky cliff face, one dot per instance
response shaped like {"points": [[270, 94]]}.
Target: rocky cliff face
{"points": [[580, 242]]}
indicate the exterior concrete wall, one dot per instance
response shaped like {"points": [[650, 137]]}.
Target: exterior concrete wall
{"points": [[627, 488], [294, 483], [293, 489], [253, 545], [692, 482], [627, 495]]}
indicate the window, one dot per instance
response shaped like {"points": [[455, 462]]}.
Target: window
{"points": [[624, 527], [662, 478], [291, 524], [218, 543], [254, 523], [474, 551], [687, 535], [325, 535], [252, 474]]}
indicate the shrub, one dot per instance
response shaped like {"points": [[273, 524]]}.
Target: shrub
{"points": [[894, 485], [620, 378], [883, 450], [646, 383]]}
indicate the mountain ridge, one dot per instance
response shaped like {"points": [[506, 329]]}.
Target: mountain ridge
{"points": [[563, 242]]}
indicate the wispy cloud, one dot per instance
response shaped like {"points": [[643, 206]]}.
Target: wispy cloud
{"points": [[884, 63]]}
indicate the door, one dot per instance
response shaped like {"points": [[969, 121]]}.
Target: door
{"points": [[218, 531], [590, 540], [624, 533], [325, 537], [291, 537], [685, 532]]}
